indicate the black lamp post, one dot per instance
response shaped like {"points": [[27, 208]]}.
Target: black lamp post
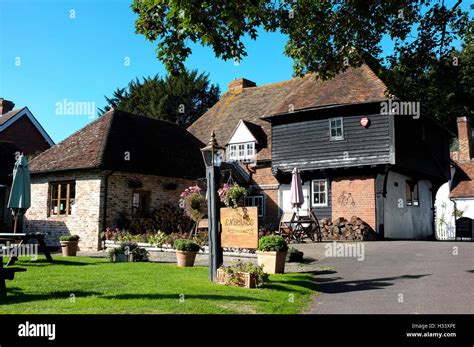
{"points": [[213, 155]]}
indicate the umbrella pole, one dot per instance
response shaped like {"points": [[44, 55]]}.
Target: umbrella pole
{"points": [[15, 224]]}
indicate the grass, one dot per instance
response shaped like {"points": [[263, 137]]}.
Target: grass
{"points": [[94, 285]]}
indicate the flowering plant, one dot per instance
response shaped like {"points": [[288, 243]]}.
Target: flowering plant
{"points": [[233, 195], [193, 203], [234, 272]]}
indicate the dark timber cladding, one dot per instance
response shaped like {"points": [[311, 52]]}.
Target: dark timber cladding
{"points": [[303, 139]]}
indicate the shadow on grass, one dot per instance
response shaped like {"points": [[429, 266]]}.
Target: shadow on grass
{"points": [[15, 295], [25, 262], [157, 296], [471, 271], [332, 285]]}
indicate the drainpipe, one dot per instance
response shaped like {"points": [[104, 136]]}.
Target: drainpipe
{"points": [[104, 211]]}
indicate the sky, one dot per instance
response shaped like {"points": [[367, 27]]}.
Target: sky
{"points": [[58, 51]]}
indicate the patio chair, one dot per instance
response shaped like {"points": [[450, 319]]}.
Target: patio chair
{"points": [[286, 225]]}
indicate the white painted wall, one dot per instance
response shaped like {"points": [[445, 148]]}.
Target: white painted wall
{"points": [[407, 222], [242, 134], [445, 223], [285, 196]]}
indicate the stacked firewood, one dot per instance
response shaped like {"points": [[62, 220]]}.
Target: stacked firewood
{"points": [[167, 218], [341, 229]]}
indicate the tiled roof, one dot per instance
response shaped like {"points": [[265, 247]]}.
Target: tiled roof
{"points": [[151, 147], [8, 115], [463, 180], [355, 85]]}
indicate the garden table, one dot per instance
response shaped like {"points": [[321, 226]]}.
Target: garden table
{"points": [[301, 226], [6, 274], [24, 238]]}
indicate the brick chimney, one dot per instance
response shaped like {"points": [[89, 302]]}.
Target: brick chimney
{"points": [[236, 86], [5, 106], [464, 138]]}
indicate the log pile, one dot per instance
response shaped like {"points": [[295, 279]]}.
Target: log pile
{"points": [[341, 229]]}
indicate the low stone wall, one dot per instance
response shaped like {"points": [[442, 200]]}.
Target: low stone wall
{"points": [[354, 229]]}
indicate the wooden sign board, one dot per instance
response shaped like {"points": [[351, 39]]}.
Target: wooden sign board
{"points": [[239, 227]]}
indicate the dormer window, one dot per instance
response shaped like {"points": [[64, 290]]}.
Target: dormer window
{"points": [[242, 144], [242, 151]]}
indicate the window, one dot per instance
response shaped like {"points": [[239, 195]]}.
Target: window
{"points": [[62, 198], [140, 204], [256, 200], [411, 190], [319, 193], [336, 129], [242, 151]]}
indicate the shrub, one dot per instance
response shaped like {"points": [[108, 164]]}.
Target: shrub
{"points": [[186, 246], [69, 238], [294, 255], [272, 244], [158, 239], [233, 273]]}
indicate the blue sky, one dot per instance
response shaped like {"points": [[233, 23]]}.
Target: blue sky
{"points": [[46, 57]]}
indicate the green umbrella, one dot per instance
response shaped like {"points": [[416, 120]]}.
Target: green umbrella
{"points": [[20, 193]]}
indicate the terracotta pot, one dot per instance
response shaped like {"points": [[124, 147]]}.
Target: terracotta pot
{"points": [[273, 262], [185, 259], [69, 248]]}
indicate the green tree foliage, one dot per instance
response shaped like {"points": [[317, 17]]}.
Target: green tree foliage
{"points": [[325, 37], [180, 98]]}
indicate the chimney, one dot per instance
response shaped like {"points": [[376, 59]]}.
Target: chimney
{"points": [[5, 106], [464, 138], [236, 86]]}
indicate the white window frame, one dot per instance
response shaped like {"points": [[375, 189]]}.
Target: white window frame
{"points": [[326, 183], [253, 199], [335, 138], [240, 151]]}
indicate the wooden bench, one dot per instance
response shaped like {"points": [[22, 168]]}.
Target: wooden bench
{"points": [[24, 238], [7, 274]]}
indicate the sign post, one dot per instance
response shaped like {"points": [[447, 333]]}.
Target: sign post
{"points": [[239, 227]]}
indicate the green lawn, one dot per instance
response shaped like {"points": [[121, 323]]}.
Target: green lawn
{"points": [[93, 285]]}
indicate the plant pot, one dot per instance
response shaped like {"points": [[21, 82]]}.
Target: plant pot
{"points": [[122, 258], [273, 262], [246, 280], [185, 259], [69, 248]]}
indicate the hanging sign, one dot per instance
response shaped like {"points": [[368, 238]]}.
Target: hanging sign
{"points": [[239, 227], [364, 121]]}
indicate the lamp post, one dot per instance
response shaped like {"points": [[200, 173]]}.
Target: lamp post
{"points": [[213, 155]]}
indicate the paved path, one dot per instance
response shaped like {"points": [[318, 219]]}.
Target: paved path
{"points": [[395, 277]]}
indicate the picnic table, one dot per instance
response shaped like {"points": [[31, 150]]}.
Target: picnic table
{"points": [[6, 274], [300, 226], [24, 238]]}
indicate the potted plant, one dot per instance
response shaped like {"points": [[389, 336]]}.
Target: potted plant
{"points": [[123, 253], [233, 196], [271, 254], [69, 245], [186, 251], [242, 274]]}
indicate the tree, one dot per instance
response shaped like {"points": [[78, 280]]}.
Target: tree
{"points": [[323, 36], [180, 98]]}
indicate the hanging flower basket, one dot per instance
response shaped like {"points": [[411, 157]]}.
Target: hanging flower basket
{"points": [[232, 195], [193, 203]]}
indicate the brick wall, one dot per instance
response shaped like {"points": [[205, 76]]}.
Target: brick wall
{"points": [[464, 138], [354, 196], [25, 136], [263, 182], [85, 222], [119, 195]]}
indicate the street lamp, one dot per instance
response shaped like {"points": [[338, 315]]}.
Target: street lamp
{"points": [[213, 155]]}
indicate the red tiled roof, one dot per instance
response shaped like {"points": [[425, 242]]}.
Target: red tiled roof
{"points": [[355, 85], [463, 180]]}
